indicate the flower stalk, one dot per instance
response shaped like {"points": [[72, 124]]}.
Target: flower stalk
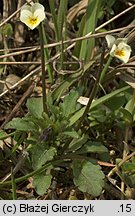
{"points": [[103, 73], [93, 93], [43, 68], [49, 67], [32, 16]]}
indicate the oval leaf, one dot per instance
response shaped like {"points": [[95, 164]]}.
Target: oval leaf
{"points": [[40, 155], [88, 177], [35, 107], [41, 183], [23, 124], [93, 147]]}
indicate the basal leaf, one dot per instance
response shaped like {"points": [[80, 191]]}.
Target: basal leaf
{"points": [[77, 143], [108, 96], [69, 103], [76, 116], [127, 116], [128, 166], [57, 93], [130, 106], [40, 155], [2, 134], [96, 103], [72, 134], [88, 177], [93, 147], [35, 107], [116, 102], [6, 30], [21, 125], [41, 183], [64, 85]]}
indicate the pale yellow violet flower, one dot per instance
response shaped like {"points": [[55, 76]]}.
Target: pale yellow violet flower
{"points": [[119, 48], [32, 15]]}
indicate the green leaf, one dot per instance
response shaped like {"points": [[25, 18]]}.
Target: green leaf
{"points": [[128, 166], [35, 107], [41, 183], [110, 3], [108, 97], [89, 26], [96, 103], [116, 102], [6, 30], [76, 116], [99, 115], [3, 134], [57, 93], [105, 156], [54, 18], [21, 125], [72, 134], [77, 143], [40, 155], [61, 17], [129, 179], [130, 106], [69, 103], [88, 177], [127, 116], [83, 49], [14, 195], [93, 147]]}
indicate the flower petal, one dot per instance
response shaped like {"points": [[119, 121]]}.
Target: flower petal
{"points": [[38, 11], [125, 50], [119, 40], [26, 7], [25, 13], [113, 50], [32, 24], [110, 40], [37, 6]]}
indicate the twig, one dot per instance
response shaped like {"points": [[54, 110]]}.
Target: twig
{"points": [[21, 63], [18, 105], [10, 17], [73, 41], [115, 169], [33, 72]]}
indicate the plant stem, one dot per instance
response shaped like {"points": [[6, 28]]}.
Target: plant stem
{"points": [[5, 136], [49, 67], [105, 69], [62, 55], [131, 108], [93, 93], [125, 152], [13, 185], [60, 23], [17, 180], [43, 69]]}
